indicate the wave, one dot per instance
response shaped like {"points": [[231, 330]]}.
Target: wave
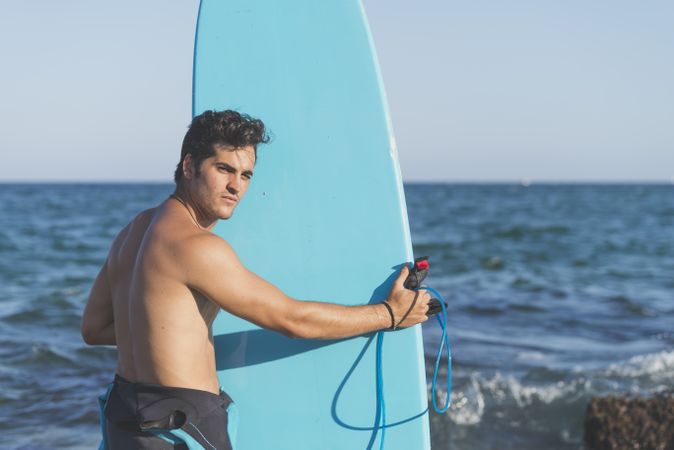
{"points": [[477, 395], [656, 366], [482, 395], [518, 232], [631, 307]]}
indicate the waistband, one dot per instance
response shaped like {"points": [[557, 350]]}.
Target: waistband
{"points": [[168, 389], [156, 406]]}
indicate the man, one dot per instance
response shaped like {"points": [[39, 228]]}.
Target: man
{"points": [[167, 276]]}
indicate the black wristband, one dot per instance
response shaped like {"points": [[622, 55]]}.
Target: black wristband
{"points": [[390, 311]]}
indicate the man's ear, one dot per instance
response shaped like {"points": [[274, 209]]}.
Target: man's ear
{"points": [[188, 167]]}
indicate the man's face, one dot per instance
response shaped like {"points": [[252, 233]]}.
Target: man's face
{"points": [[223, 180]]}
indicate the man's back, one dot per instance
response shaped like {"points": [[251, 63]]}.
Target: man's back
{"points": [[167, 275], [162, 327]]}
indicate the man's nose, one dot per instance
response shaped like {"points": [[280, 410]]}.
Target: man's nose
{"points": [[234, 185]]}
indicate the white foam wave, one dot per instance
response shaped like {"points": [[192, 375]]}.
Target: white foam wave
{"points": [[658, 366], [477, 394], [469, 402], [503, 389], [467, 406]]}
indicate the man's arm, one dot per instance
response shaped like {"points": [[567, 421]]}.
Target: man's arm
{"points": [[213, 268], [98, 325]]}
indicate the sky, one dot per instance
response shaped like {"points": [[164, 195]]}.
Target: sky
{"points": [[478, 90]]}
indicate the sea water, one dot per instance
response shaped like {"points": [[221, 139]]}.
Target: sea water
{"points": [[557, 293]]}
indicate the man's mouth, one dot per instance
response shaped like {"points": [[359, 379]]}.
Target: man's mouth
{"points": [[230, 199]]}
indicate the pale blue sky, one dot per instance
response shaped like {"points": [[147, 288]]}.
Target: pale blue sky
{"points": [[478, 90]]}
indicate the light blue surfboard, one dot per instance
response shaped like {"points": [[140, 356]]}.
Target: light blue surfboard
{"points": [[324, 219]]}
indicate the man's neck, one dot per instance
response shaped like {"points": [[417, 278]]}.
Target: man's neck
{"points": [[197, 215]]}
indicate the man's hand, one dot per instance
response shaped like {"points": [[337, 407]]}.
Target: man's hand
{"points": [[400, 299]]}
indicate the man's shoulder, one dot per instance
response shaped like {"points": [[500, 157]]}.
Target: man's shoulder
{"points": [[206, 260], [187, 243], [146, 215], [126, 242], [203, 244], [141, 220]]}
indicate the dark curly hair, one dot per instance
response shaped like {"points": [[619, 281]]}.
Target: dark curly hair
{"points": [[215, 128]]}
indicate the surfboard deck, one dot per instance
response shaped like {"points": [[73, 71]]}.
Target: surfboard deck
{"points": [[324, 219]]}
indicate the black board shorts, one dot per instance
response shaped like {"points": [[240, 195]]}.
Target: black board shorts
{"points": [[150, 416]]}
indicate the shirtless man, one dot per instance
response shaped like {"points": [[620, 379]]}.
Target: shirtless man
{"points": [[167, 276]]}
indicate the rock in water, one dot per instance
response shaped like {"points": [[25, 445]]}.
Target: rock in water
{"points": [[622, 422]]}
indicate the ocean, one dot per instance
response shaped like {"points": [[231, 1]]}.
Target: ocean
{"points": [[557, 293]]}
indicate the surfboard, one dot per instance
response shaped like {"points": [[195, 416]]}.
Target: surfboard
{"points": [[324, 219]]}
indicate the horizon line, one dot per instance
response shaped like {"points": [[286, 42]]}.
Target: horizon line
{"points": [[525, 182]]}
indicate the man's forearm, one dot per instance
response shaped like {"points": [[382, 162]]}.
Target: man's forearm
{"points": [[105, 336], [317, 320]]}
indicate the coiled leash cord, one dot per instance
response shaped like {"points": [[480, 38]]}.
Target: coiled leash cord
{"points": [[436, 305], [444, 342]]}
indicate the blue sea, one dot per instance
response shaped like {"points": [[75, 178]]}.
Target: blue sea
{"points": [[557, 293]]}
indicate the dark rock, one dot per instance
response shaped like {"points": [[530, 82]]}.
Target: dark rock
{"points": [[622, 422]]}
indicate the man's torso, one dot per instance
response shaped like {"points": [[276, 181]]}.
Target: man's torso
{"points": [[162, 327]]}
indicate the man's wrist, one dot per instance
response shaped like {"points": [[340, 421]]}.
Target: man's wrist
{"points": [[390, 315]]}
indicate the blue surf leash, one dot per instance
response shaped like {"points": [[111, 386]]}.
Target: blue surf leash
{"points": [[436, 306], [444, 342]]}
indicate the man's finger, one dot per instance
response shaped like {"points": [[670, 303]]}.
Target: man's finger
{"points": [[402, 276]]}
